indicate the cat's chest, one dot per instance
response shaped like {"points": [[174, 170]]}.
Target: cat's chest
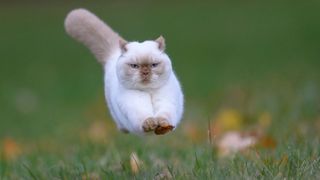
{"points": [[155, 97], [146, 95]]}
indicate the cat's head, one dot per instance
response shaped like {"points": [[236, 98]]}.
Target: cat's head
{"points": [[143, 65]]}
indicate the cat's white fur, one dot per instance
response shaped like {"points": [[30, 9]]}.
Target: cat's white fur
{"points": [[130, 101]]}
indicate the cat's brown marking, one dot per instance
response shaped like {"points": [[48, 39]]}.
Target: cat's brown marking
{"points": [[145, 70], [150, 124], [145, 73], [91, 31], [122, 44], [146, 59], [163, 126], [161, 42]]}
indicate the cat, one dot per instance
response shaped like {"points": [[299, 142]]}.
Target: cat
{"points": [[141, 89]]}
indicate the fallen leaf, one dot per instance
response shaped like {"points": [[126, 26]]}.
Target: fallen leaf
{"points": [[226, 120], [135, 163], [283, 161], [11, 149], [233, 142], [265, 120], [193, 132], [267, 142], [165, 174]]}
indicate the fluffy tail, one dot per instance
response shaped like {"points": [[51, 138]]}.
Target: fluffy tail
{"points": [[88, 29]]}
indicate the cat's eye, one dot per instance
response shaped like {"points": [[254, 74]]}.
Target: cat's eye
{"points": [[135, 66], [154, 65]]}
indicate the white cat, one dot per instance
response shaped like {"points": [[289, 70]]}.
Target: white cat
{"points": [[142, 91]]}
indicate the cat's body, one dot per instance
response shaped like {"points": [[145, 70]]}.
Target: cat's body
{"points": [[142, 91], [131, 106]]}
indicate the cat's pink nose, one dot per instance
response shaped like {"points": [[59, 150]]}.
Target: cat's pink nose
{"points": [[145, 73]]}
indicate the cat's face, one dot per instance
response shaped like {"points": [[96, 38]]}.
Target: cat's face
{"points": [[144, 65]]}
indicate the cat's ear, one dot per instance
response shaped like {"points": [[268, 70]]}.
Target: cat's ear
{"points": [[161, 42], [123, 44]]}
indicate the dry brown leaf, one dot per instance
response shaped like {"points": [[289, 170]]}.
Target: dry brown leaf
{"points": [[233, 142], [226, 120], [135, 163], [265, 120], [194, 133], [267, 142], [283, 161], [165, 174], [11, 149]]}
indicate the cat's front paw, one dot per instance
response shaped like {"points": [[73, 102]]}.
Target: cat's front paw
{"points": [[149, 125], [163, 126]]}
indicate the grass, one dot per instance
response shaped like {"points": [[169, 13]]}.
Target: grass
{"points": [[244, 57]]}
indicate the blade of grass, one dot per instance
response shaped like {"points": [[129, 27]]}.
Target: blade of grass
{"points": [[33, 176]]}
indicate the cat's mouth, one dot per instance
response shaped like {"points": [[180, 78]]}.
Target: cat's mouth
{"points": [[145, 80]]}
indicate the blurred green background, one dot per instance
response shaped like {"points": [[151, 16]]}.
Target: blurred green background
{"points": [[249, 56], [48, 81]]}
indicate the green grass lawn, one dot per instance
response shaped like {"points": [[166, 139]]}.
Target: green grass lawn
{"points": [[256, 62]]}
